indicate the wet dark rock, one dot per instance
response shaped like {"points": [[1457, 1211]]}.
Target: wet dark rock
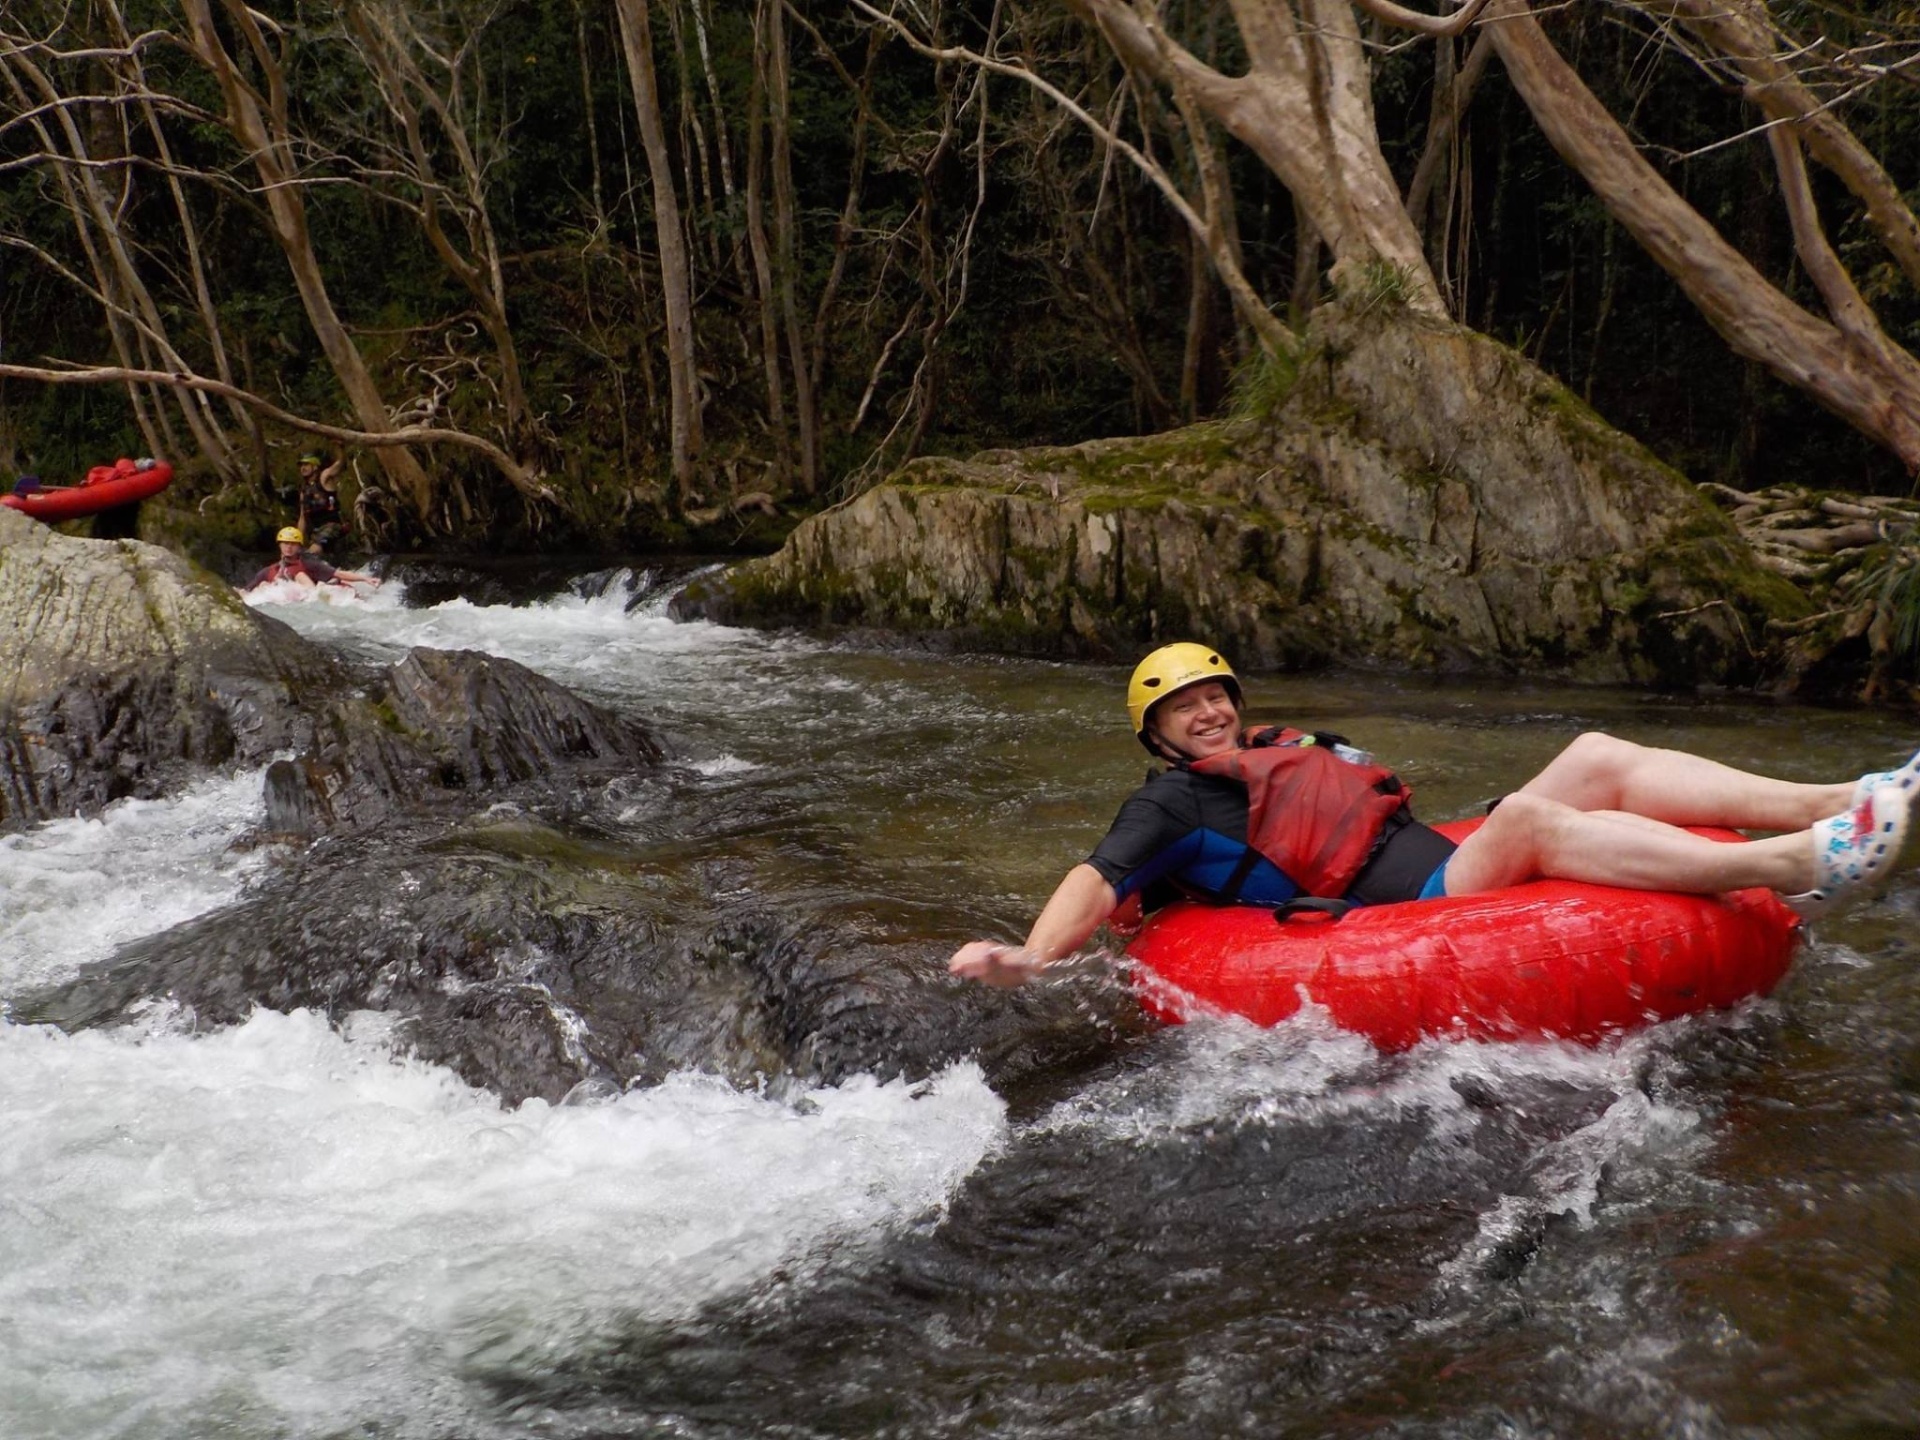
{"points": [[125, 671], [493, 721], [1142, 1251], [292, 814], [525, 955], [531, 973]]}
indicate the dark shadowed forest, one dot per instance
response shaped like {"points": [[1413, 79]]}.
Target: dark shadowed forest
{"points": [[629, 271]]}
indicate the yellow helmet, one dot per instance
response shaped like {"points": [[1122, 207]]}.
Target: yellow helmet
{"points": [[290, 534], [1171, 668]]}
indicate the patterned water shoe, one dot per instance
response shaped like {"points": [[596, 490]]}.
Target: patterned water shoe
{"points": [[1855, 850], [1907, 778]]}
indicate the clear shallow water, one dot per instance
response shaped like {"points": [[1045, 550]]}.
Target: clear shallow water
{"points": [[283, 1229]]}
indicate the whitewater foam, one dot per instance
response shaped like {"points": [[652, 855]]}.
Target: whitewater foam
{"points": [[281, 1228], [73, 890]]}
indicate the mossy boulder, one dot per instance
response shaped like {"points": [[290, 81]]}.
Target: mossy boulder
{"points": [[1422, 496]]}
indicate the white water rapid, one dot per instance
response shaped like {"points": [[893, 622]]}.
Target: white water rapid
{"points": [[281, 1229]]}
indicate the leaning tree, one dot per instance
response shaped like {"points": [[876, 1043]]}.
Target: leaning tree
{"points": [[1299, 95]]}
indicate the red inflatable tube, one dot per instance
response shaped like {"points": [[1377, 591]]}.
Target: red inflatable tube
{"points": [[1547, 960], [106, 486]]}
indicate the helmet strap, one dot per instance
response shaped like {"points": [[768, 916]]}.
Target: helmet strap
{"points": [[1161, 750]]}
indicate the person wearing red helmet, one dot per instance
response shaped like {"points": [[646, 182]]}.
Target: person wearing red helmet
{"points": [[1270, 815]]}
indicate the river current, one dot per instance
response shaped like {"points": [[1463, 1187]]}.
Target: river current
{"points": [[295, 1227]]}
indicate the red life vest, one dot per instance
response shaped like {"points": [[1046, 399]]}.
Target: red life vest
{"points": [[101, 474], [1310, 813]]}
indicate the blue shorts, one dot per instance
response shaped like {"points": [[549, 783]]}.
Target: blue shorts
{"points": [[1436, 886]]}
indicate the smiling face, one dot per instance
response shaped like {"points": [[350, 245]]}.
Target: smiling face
{"points": [[1197, 721]]}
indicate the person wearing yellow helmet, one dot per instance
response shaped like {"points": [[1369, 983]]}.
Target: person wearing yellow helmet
{"points": [[1276, 816], [303, 569], [1175, 667]]}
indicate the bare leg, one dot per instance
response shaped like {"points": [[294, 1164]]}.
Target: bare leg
{"points": [[1601, 772], [1530, 836]]}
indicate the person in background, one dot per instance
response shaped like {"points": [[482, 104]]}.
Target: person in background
{"points": [[1267, 816], [302, 568], [320, 515]]}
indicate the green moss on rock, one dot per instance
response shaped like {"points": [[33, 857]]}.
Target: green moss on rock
{"points": [[1369, 517]]}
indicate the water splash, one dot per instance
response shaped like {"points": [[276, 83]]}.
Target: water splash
{"points": [[284, 1229], [74, 890]]}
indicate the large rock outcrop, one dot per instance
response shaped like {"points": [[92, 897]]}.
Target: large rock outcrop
{"points": [[124, 669], [1421, 496]]}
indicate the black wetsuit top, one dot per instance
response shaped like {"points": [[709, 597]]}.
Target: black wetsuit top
{"points": [[322, 506], [1183, 831]]}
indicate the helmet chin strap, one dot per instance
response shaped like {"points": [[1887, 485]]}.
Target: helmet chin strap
{"points": [[1158, 747]]}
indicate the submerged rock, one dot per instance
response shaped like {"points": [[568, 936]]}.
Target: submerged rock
{"points": [[1422, 496], [531, 964]]}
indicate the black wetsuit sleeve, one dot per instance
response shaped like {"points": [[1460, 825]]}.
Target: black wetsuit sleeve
{"points": [[1154, 818]]}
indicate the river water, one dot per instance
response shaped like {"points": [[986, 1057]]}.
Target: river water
{"points": [[287, 1227]]}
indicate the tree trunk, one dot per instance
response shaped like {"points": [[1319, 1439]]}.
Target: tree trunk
{"points": [[1452, 94], [786, 259], [133, 317], [758, 244], [1305, 108], [1849, 366], [386, 42], [1743, 33], [676, 277], [259, 125]]}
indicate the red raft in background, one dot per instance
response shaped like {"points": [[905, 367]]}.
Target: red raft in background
{"points": [[1551, 959], [106, 486]]}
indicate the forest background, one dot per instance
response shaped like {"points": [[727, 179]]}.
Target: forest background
{"points": [[645, 272]]}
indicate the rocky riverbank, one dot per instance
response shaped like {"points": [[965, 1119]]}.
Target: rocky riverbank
{"points": [[1416, 495], [126, 669], [457, 842]]}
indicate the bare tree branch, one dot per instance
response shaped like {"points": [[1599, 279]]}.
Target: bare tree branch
{"points": [[1434, 26], [526, 481], [1273, 336]]}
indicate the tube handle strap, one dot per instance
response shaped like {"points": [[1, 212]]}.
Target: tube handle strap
{"points": [[1329, 910]]}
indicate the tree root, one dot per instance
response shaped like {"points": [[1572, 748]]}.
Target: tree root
{"points": [[1852, 556], [758, 500]]}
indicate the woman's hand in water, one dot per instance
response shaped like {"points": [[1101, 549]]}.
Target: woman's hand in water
{"points": [[992, 963], [1076, 909]]}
